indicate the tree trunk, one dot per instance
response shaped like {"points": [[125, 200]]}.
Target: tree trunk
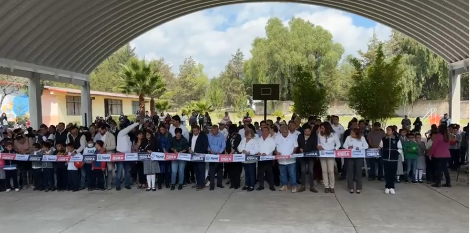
{"points": [[141, 107], [152, 106]]}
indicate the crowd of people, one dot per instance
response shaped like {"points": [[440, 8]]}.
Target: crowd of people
{"points": [[406, 154]]}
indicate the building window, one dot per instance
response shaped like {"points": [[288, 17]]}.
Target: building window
{"points": [[135, 107], [73, 105], [113, 107]]}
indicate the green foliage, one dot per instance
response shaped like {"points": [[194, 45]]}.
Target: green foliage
{"points": [[162, 105], [203, 106], [215, 94], [276, 57], [376, 90], [464, 86], [278, 113], [309, 97], [242, 112], [191, 84]]}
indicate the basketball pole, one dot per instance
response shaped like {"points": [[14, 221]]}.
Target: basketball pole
{"points": [[265, 109]]}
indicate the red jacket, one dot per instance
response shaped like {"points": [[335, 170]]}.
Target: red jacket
{"points": [[99, 165]]}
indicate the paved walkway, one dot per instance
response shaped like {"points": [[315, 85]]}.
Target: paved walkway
{"points": [[415, 208]]}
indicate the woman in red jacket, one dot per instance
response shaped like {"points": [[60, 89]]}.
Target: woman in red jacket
{"points": [[440, 154]]}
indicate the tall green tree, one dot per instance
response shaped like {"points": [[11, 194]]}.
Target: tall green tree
{"points": [[276, 56], [215, 94], [138, 77], [464, 86], [376, 90], [191, 83], [309, 96], [231, 79], [162, 105]]}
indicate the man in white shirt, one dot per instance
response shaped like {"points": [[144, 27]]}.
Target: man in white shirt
{"points": [[176, 123], [293, 132], [287, 145], [337, 127], [266, 148], [123, 145]]}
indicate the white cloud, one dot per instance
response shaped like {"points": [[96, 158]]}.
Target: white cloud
{"points": [[211, 36]]}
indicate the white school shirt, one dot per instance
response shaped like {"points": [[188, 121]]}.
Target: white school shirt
{"points": [[71, 165], [355, 143], [251, 147], [330, 143], [338, 129], [285, 146]]}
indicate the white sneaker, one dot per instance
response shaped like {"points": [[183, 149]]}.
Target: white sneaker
{"points": [[208, 183], [392, 191], [387, 191], [17, 190], [8, 190]]}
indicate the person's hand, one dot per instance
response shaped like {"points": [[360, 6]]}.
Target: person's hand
{"points": [[277, 153], [357, 148], [149, 151], [245, 152], [232, 152], [320, 147], [301, 150], [164, 150], [350, 147], [190, 151], [211, 151], [102, 169]]}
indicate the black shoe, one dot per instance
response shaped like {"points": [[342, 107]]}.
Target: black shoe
{"points": [[332, 190], [231, 187], [159, 187], [172, 187], [75, 190], [342, 178], [180, 187], [259, 189], [414, 182], [154, 189], [420, 181], [398, 181], [194, 186], [236, 187], [46, 190], [272, 189], [327, 190], [220, 186], [371, 179], [89, 189], [436, 185], [380, 179], [245, 188], [128, 187], [250, 189], [211, 188], [148, 189], [167, 186], [446, 185], [118, 188], [228, 182]]}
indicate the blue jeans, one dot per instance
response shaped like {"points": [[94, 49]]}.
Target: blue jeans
{"points": [[288, 170], [371, 163], [120, 166], [411, 165], [177, 167], [250, 170]]}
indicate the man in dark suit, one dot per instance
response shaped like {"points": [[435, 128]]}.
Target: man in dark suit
{"points": [[199, 144]]}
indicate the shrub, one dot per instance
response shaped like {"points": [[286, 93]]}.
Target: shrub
{"points": [[278, 113]]}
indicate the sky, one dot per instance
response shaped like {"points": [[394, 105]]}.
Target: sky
{"points": [[212, 35]]}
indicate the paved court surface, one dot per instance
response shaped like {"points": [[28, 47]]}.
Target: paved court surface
{"points": [[415, 208]]}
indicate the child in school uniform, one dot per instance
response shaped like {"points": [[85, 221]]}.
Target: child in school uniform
{"points": [[37, 169], [61, 168], [99, 167], [48, 168], [10, 168], [87, 166], [421, 158], [73, 174], [411, 151]]}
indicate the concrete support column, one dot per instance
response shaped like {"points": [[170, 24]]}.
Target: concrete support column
{"points": [[454, 98], [35, 104], [86, 104]]}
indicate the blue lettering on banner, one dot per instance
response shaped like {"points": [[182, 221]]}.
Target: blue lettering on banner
{"points": [[357, 154], [312, 154], [239, 158], [35, 158], [49, 158], [158, 156], [267, 157], [76, 158], [89, 158], [184, 157], [327, 153], [374, 152], [211, 158], [103, 157], [131, 157], [22, 157]]}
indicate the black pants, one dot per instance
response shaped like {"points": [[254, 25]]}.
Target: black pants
{"points": [[276, 173], [88, 174], [2, 185], [48, 180], [430, 171], [11, 175], [306, 165], [189, 174], [454, 161], [200, 172], [98, 179], [390, 173], [371, 163], [140, 172], [234, 174], [61, 173], [440, 166], [38, 178], [74, 179], [164, 177], [216, 168], [265, 170]]}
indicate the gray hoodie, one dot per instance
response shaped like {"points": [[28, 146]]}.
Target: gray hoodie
{"points": [[48, 164], [37, 165]]}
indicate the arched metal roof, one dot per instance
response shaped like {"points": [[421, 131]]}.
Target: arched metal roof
{"points": [[77, 35]]}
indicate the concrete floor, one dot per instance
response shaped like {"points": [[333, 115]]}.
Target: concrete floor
{"points": [[415, 208]]}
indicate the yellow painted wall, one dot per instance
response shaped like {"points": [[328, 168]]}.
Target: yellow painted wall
{"points": [[97, 107]]}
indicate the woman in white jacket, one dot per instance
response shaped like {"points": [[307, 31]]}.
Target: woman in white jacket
{"points": [[354, 170], [328, 140], [249, 146]]}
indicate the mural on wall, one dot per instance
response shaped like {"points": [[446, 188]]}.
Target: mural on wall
{"points": [[15, 106]]}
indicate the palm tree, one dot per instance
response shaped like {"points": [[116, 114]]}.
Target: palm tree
{"points": [[203, 106], [138, 77], [162, 105]]}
